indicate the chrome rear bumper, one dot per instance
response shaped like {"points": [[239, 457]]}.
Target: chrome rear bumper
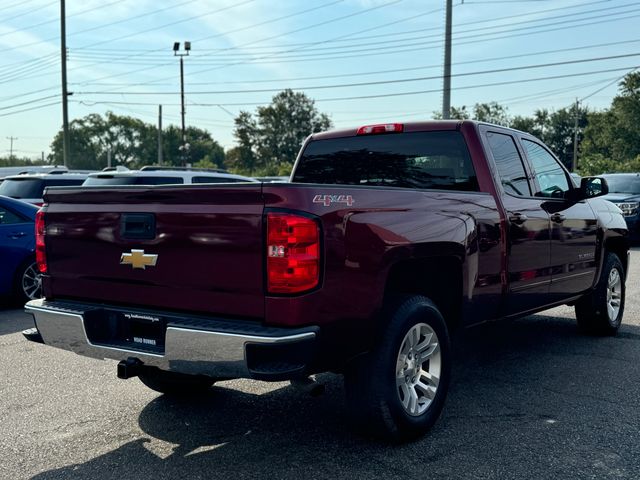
{"points": [[201, 349]]}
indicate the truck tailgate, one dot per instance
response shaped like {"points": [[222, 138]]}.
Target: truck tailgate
{"points": [[208, 242]]}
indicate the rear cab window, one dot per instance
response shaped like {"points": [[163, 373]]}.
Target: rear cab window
{"points": [[417, 160]]}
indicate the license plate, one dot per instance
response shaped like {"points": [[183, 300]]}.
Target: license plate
{"points": [[144, 331]]}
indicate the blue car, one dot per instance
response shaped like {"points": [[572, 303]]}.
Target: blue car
{"points": [[624, 191], [19, 276]]}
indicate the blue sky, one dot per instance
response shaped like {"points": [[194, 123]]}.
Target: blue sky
{"points": [[387, 52]]}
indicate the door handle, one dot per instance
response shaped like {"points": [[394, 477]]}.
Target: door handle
{"points": [[558, 218], [16, 235], [518, 218]]}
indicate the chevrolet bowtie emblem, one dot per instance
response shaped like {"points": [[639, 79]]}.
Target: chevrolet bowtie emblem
{"points": [[138, 259]]}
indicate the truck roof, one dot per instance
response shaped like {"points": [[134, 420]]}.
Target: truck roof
{"points": [[423, 126]]}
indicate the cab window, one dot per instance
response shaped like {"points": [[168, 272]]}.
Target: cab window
{"points": [[7, 217], [509, 164], [552, 178]]}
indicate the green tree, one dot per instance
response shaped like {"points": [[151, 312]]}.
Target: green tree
{"points": [[268, 142], [201, 146], [613, 134], [131, 142], [491, 112]]}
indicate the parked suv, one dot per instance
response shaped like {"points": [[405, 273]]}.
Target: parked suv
{"points": [[624, 191], [163, 176], [29, 188]]}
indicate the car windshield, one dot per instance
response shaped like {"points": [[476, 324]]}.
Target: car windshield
{"points": [[622, 183], [22, 187]]}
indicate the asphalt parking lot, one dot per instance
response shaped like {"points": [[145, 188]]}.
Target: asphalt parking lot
{"points": [[532, 398]]}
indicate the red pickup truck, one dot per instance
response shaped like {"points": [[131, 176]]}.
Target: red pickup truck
{"points": [[388, 238]]}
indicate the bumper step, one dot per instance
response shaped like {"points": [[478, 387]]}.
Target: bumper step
{"points": [[33, 335]]}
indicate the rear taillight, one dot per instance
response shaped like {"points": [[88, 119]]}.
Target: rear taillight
{"points": [[380, 128], [41, 255], [293, 253]]}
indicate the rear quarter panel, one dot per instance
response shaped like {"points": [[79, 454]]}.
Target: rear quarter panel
{"points": [[382, 227]]}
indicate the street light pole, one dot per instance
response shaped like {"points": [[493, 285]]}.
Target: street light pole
{"points": [[184, 146]]}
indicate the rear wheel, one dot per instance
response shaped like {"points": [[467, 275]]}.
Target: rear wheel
{"points": [[398, 390], [172, 383], [27, 283], [600, 312]]}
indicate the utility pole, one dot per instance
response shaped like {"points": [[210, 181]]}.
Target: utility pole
{"points": [[109, 157], [446, 89], [574, 163], [11, 139], [184, 147], [159, 134], [65, 111]]}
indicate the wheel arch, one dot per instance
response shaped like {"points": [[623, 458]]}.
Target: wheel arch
{"points": [[439, 278], [620, 246]]}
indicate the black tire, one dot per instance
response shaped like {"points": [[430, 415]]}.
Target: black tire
{"points": [[373, 396], [175, 384], [592, 311], [21, 291]]}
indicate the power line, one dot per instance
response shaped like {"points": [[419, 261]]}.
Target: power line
{"points": [[608, 85], [27, 71], [41, 7], [405, 32], [470, 39], [129, 19], [363, 97], [275, 36], [379, 72], [17, 4], [170, 24], [29, 102], [29, 109], [265, 22], [379, 82], [68, 16], [128, 57], [124, 36], [458, 32]]}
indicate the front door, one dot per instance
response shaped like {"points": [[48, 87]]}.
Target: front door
{"points": [[573, 224]]}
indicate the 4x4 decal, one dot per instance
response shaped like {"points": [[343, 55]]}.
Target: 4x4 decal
{"points": [[327, 200]]}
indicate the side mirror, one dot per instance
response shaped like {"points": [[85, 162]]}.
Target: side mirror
{"points": [[591, 187]]}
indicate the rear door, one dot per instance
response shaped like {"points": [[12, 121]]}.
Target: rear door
{"points": [[528, 229], [573, 224], [195, 248]]}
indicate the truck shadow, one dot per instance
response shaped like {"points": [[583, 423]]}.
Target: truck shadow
{"points": [[526, 396]]}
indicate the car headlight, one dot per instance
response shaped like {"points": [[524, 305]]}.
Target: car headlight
{"points": [[628, 208]]}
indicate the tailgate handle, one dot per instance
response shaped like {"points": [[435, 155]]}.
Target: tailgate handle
{"points": [[138, 226]]}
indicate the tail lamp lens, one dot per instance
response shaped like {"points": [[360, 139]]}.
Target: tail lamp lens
{"points": [[293, 253], [41, 255]]}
